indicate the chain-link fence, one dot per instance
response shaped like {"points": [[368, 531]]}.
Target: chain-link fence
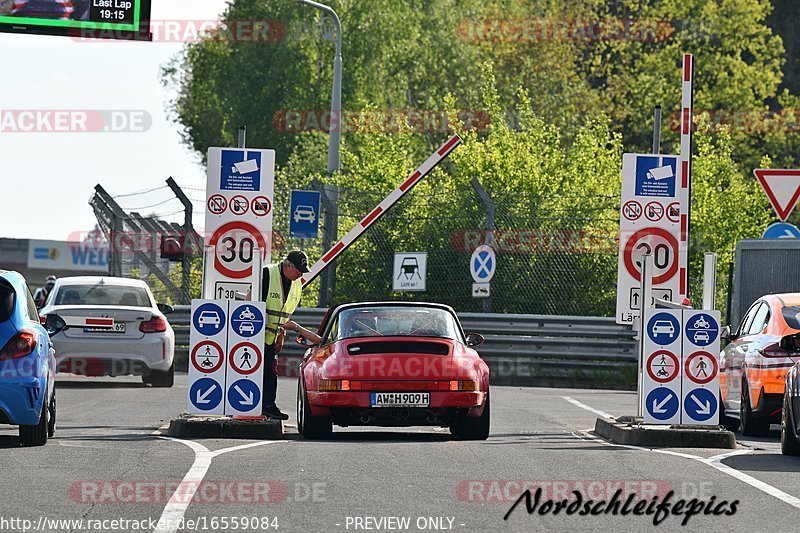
{"points": [[554, 255]]}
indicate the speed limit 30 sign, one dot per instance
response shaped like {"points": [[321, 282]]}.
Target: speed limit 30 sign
{"points": [[651, 181], [239, 193]]}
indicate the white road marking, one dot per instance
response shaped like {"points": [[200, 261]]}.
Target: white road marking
{"points": [[598, 412], [753, 482], [714, 462], [179, 502]]}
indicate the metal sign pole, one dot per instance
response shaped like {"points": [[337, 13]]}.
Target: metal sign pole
{"points": [[709, 280], [208, 264], [647, 295], [657, 130], [255, 282]]}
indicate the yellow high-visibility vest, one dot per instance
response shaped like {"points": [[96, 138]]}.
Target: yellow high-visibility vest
{"points": [[278, 312]]}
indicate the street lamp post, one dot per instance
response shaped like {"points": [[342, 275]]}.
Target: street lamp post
{"points": [[336, 96]]}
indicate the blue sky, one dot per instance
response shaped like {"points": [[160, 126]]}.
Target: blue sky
{"points": [[48, 177]]}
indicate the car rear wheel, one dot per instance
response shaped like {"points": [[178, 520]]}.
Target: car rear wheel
{"points": [[36, 435], [789, 443], [162, 379], [473, 428], [308, 425], [751, 426]]}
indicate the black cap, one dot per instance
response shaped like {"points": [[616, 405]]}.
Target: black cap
{"points": [[299, 260]]}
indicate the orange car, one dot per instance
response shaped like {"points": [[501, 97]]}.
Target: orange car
{"points": [[754, 364]]}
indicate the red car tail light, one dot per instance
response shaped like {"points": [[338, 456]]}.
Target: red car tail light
{"points": [[773, 350], [20, 345], [156, 324], [334, 384], [463, 386]]}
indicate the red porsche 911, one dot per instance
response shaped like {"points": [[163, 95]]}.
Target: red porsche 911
{"points": [[393, 364]]}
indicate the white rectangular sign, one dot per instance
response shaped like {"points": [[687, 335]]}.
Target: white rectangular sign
{"points": [[680, 367], [245, 369], [481, 290], [410, 271], [700, 376], [650, 222], [661, 366], [61, 255], [208, 341], [239, 200], [226, 363]]}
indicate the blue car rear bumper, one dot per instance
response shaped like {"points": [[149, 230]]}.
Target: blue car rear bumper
{"points": [[21, 400]]}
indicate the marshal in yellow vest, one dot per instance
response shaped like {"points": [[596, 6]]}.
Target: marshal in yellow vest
{"points": [[278, 312]]}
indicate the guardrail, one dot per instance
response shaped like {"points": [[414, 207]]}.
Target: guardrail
{"points": [[544, 350]]}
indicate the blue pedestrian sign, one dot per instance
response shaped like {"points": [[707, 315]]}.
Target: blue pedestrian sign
{"points": [[247, 320], [662, 403], [700, 404], [663, 329], [304, 214], [483, 264], [244, 395], [209, 319], [205, 394], [702, 329], [781, 230]]}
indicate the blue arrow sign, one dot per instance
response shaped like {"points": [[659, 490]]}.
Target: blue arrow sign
{"points": [[247, 320], [205, 394], [304, 214], [244, 395], [702, 329], [781, 230], [662, 403], [663, 329], [700, 404], [208, 319]]}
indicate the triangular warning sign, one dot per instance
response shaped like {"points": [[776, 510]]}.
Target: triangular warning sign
{"points": [[782, 187]]}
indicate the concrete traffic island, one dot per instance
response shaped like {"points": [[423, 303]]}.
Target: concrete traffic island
{"points": [[632, 431], [225, 427]]}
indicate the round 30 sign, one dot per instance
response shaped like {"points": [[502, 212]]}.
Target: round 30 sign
{"points": [[234, 244], [661, 244]]}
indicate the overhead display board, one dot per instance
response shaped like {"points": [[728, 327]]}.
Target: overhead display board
{"points": [[90, 19]]}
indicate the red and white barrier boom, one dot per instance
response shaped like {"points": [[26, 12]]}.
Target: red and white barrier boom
{"points": [[685, 171], [352, 236]]}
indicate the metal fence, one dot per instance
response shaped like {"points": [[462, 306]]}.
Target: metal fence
{"points": [[555, 255], [520, 349]]}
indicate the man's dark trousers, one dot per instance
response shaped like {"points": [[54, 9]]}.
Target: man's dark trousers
{"points": [[270, 383]]}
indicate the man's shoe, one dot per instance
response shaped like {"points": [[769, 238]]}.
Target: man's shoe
{"points": [[273, 412]]}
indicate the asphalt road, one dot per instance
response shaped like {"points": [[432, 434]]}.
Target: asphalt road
{"points": [[108, 463]]}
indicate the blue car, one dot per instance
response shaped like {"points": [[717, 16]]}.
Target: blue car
{"points": [[27, 363]]}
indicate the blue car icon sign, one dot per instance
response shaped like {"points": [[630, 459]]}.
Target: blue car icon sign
{"points": [[663, 326]]}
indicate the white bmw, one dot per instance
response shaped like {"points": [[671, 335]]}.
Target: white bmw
{"points": [[140, 342]]}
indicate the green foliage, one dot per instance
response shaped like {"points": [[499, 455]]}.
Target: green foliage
{"points": [[730, 205], [578, 82]]}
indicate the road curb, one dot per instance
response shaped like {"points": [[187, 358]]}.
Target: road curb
{"points": [[225, 427], [631, 431]]}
